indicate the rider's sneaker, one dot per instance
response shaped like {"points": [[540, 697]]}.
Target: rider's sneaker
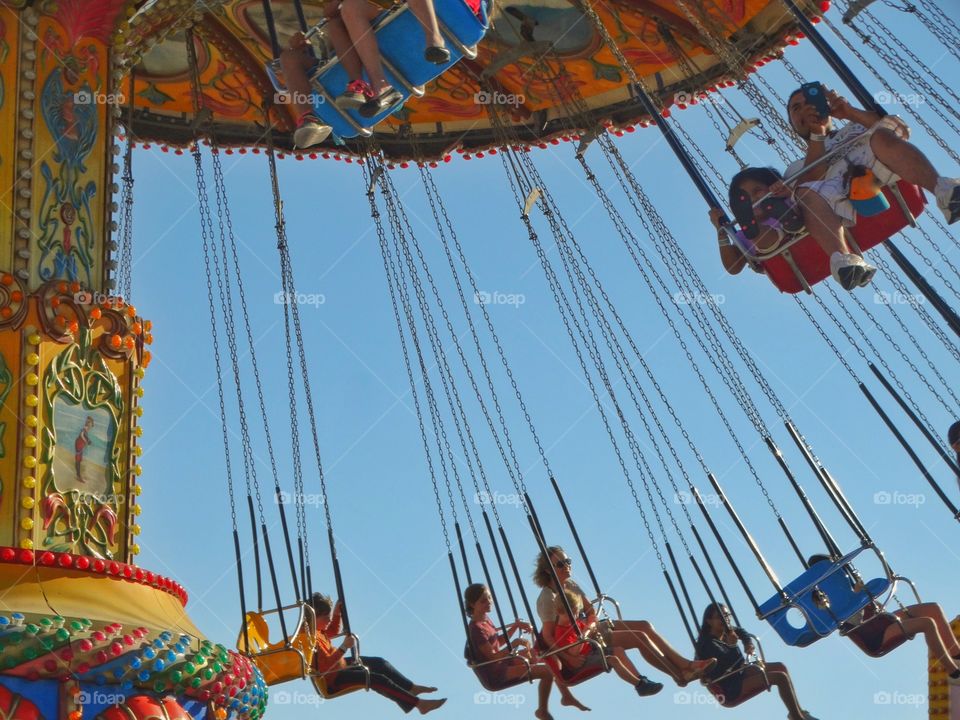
{"points": [[847, 269], [388, 99], [356, 94], [867, 275], [647, 687], [947, 191], [310, 131]]}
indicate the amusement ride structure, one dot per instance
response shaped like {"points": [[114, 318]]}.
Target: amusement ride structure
{"points": [[86, 632]]}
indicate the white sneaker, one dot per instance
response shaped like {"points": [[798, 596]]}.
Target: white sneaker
{"points": [[867, 275], [311, 132], [947, 192], [847, 269]]}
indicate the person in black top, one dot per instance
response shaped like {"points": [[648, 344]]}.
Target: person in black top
{"points": [[732, 679], [953, 438]]}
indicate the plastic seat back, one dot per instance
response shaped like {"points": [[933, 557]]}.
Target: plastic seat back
{"points": [[877, 624], [487, 672], [819, 621], [813, 263], [278, 661], [400, 39], [569, 676]]}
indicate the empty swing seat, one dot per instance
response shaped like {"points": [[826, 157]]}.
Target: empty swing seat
{"points": [[284, 660], [400, 38], [827, 580], [794, 266]]}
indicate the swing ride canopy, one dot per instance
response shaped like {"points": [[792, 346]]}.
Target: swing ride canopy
{"points": [[665, 42]]}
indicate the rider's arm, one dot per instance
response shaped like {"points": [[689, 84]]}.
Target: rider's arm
{"points": [[730, 255]]}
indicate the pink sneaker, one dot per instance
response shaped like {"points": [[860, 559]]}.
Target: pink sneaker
{"points": [[356, 94]]}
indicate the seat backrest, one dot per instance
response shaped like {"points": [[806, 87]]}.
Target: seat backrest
{"points": [[257, 633], [844, 601], [810, 260]]}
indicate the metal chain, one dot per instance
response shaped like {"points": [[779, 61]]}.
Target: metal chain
{"points": [[513, 464], [291, 316], [943, 26], [439, 430], [866, 338], [924, 314], [436, 203], [507, 157], [126, 200], [227, 238], [889, 89], [210, 237], [928, 262], [206, 232], [903, 356], [923, 353], [644, 264], [394, 208], [836, 351], [389, 270]]}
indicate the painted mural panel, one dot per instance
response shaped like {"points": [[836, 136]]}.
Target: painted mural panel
{"points": [[8, 114], [73, 101]]}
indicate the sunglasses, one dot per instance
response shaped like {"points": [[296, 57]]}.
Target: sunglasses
{"points": [[565, 563]]}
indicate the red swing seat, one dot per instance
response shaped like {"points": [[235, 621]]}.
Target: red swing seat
{"points": [[798, 265], [717, 690], [877, 624], [570, 676], [758, 663], [488, 680]]}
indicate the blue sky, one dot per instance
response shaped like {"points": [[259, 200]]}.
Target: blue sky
{"points": [[390, 545]]}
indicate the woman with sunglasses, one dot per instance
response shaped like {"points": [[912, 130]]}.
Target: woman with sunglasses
{"points": [[732, 678], [618, 634]]}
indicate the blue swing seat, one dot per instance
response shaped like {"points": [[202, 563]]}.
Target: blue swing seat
{"points": [[832, 581], [400, 39]]}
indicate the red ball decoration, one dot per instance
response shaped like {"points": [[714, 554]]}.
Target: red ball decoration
{"points": [[144, 707]]}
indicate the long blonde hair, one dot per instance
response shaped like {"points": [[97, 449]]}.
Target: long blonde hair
{"points": [[542, 573]]}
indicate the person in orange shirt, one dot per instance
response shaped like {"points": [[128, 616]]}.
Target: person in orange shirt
{"points": [[385, 679]]}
